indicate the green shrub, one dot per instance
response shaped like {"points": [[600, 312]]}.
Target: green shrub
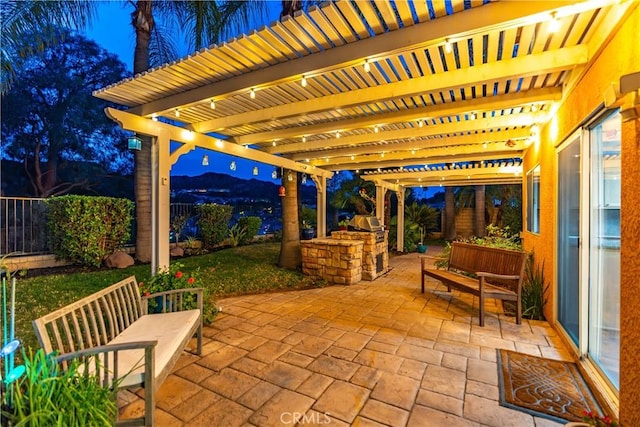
{"points": [[46, 395], [84, 230], [213, 221], [534, 291], [236, 234], [251, 225]]}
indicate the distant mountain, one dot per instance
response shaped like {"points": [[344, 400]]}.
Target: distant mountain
{"points": [[220, 184]]}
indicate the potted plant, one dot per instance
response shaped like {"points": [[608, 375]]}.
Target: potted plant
{"points": [[421, 246], [343, 224], [308, 231]]}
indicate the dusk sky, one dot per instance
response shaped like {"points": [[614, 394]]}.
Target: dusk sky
{"points": [[112, 30]]}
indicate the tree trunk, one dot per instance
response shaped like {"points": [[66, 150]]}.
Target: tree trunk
{"points": [[290, 252], [480, 224], [449, 214], [143, 23]]}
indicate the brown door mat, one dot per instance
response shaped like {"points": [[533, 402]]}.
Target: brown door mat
{"points": [[543, 387]]}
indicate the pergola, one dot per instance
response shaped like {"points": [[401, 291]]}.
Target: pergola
{"points": [[407, 93]]}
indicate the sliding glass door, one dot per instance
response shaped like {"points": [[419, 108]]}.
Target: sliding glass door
{"points": [[588, 244], [568, 244], [604, 247]]}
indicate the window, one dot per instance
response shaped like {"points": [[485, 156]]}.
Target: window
{"points": [[533, 200]]}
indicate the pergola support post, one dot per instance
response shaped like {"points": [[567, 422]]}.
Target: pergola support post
{"points": [[400, 231], [321, 204], [380, 190], [160, 202]]}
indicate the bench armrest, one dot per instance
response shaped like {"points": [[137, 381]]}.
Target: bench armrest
{"points": [[102, 361], [496, 276], [176, 300]]}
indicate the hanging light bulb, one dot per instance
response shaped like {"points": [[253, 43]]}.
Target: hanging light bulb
{"points": [[289, 176], [303, 82], [273, 144], [255, 170], [213, 104], [473, 116], [177, 113], [232, 166], [376, 129], [337, 134], [205, 160], [154, 117], [413, 152], [484, 145], [274, 174], [420, 123], [534, 108], [367, 66], [303, 179], [304, 138], [554, 24], [252, 94], [353, 157], [447, 46]]}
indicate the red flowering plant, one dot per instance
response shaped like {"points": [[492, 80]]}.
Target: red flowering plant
{"points": [[168, 280], [593, 419]]}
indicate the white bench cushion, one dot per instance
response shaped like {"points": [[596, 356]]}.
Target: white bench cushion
{"points": [[169, 329]]}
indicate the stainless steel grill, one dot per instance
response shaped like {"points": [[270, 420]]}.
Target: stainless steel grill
{"points": [[368, 223]]}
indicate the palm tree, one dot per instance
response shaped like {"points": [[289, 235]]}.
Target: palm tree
{"points": [[207, 22], [290, 253]]}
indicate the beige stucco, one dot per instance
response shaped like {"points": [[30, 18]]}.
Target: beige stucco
{"points": [[620, 56]]}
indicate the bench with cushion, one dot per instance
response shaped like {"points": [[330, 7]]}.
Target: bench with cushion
{"points": [[132, 348], [482, 271]]}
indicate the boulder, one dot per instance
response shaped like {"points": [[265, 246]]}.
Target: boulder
{"points": [[119, 260], [177, 251]]}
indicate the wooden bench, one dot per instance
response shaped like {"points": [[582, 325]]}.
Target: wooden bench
{"points": [[496, 273], [133, 348]]}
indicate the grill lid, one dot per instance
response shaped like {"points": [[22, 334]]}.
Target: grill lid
{"points": [[365, 223]]}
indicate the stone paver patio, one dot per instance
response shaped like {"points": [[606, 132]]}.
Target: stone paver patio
{"points": [[375, 353]]}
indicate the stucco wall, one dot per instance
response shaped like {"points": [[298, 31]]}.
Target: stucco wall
{"points": [[620, 56]]}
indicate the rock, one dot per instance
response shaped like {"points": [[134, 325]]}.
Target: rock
{"points": [[177, 251], [119, 260]]}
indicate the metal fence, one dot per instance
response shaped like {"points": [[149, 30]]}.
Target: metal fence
{"points": [[24, 226]]}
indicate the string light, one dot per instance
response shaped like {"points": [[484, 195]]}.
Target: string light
{"points": [[304, 178], [337, 134], [554, 24], [177, 113], [534, 108], [154, 117], [447, 46], [273, 144], [252, 94], [219, 143], [473, 116], [205, 160], [213, 104], [413, 152], [303, 82], [353, 157], [289, 176], [232, 166], [484, 145], [274, 174], [367, 66], [304, 138], [376, 129], [535, 129], [255, 170], [420, 123]]}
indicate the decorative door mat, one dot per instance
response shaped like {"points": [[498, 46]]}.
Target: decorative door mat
{"points": [[543, 387]]}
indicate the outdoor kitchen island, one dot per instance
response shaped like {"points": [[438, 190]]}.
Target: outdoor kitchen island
{"points": [[347, 257]]}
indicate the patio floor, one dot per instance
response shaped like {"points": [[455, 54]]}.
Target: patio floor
{"points": [[374, 353]]}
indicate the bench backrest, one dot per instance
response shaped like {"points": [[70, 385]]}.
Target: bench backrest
{"points": [[92, 321], [475, 258]]}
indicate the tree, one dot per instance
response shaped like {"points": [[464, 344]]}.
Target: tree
{"points": [[290, 253], [49, 116], [202, 21]]}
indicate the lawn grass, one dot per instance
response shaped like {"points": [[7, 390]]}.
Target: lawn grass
{"points": [[233, 271]]}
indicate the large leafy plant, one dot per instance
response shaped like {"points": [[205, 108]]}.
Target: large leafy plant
{"points": [[48, 395], [84, 230]]}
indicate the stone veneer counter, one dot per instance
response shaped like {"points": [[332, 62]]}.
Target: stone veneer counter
{"points": [[336, 261]]}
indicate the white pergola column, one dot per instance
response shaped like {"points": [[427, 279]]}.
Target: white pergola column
{"points": [[321, 204], [380, 190], [400, 234], [160, 202]]}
